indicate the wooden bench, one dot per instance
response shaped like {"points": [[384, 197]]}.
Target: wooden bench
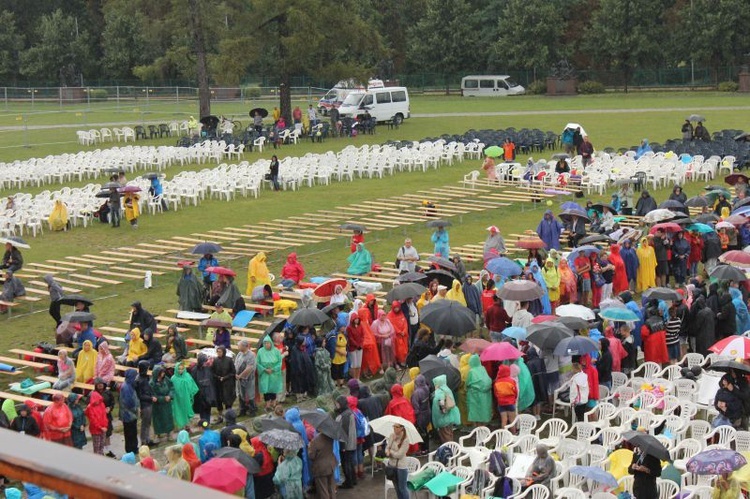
{"points": [[18, 397], [53, 380], [22, 362]]}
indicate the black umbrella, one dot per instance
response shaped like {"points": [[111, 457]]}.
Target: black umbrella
{"points": [[575, 323], [707, 218], [728, 273], [448, 317], [323, 423], [210, 122], [151, 176], [520, 290], [432, 366], [111, 169], [671, 204], [111, 185], [404, 291], [443, 263], [728, 365], [206, 248], [328, 308], [697, 202], [683, 221], [412, 277], [741, 202], [648, 444], [308, 317], [258, 110], [662, 294], [443, 277], [600, 207], [438, 223], [695, 117], [357, 227], [597, 238], [275, 423], [102, 194], [79, 317], [275, 327], [73, 299], [567, 215], [250, 464], [560, 155], [547, 334]]}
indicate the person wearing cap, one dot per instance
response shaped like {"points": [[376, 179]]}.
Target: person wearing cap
{"points": [[220, 314], [494, 244], [189, 290], [407, 257], [441, 294]]}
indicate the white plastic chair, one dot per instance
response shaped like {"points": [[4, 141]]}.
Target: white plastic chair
{"points": [[536, 491], [479, 435], [570, 493], [667, 489], [412, 465]]}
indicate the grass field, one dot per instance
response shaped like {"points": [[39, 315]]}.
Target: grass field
{"points": [[607, 128]]}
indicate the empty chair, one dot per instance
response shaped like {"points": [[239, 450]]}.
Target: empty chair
{"points": [[536, 491], [479, 435], [570, 493]]}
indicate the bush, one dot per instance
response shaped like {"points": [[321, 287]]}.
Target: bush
{"points": [[728, 86], [98, 94], [251, 92], [537, 87], [590, 87]]}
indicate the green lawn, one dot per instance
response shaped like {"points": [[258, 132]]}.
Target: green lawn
{"points": [[606, 129]]}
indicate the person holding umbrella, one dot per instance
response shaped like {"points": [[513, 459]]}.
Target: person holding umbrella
{"points": [[12, 259], [645, 469], [358, 237], [489, 168]]}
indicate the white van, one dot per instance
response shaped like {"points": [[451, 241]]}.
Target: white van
{"points": [[382, 104], [489, 86], [335, 96]]}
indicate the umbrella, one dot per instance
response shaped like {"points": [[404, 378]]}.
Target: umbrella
{"points": [[357, 227], [735, 257], [571, 206], [736, 177], [573, 126], [729, 365], [443, 263], [546, 336], [216, 323], [250, 464], [152, 175], [713, 195], [262, 111], [221, 473], [275, 423], [600, 207], [671, 204], [16, 242], [694, 117], [79, 317], [586, 250], [683, 221], [740, 203], [724, 225], [567, 215], [210, 122], [130, 188], [530, 243], [221, 271], [327, 309], [728, 273], [282, 439], [112, 185], [666, 227], [742, 136], [384, 426], [662, 294], [738, 220], [596, 238], [438, 223], [573, 310], [325, 290], [575, 323], [515, 332], [499, 352], [520, 291], [707, 218], [618, 314], [493, 151], [102, 194], [412, 277], [700, 228], [543, 318], [323, 423], [404, 291], [206, 248], [576, 345], [443, 277], [595, 474], [504, 266], [308, 317], [560, 155], [432, 366], [610, 303], [73, 299], [648, 444], [715, 462], [733, 346], [697, 202], [659, 215], [474, 345], [448, 317]]}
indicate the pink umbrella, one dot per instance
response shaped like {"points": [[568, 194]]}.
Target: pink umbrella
{"points": [[736, 257], [474, 345], [724, 225], [130, 188], [500, 351], [220, 473]]}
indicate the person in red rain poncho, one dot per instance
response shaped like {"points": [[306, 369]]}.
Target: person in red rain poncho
{"points": [[616, 348], [654, 336], [357, 238], [96, 413], [696, 252], [57, 421], [293, 270], [620, 280], [263, 480], [398, 320], [370, 356], [35, 410], [593, 375]]}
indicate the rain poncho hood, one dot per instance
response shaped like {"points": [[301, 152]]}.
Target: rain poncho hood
{"points": [[478, 392], [55, 290], [360, 262], [257, 273], [456, 293]]}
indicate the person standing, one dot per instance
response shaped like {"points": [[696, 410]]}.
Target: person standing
{"points": [[269, 372], [396, 448], [687, 131], [661, 247], [496, 319], [244, 367], [129, 406], [146, 399], [189, 290], [184, 390], [312, 115], [478, 392], [445, 412], [442, 242], [208, 260], [115, 207], [58, 420], [273, 172], [258, 123], [579, 393], [586, 150], [224, 377], [509, 150], [494, 245], [348, 446], [407, 257], [549, 230], [323, 464], [645, 469], [583, 271]]}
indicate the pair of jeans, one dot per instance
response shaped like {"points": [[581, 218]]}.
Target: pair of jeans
{"points": [[402, 491], [275, 182], [114, 215]]}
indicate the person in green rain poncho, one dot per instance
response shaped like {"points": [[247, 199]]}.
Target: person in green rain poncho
{"points": [[184, 391], [463, 367], [161, 416], [443, 417], [478, 392], [268, 360], [322, 359], [526, 393], [360, 262], [9, 408], [78, 428], [288, 476], [189, 290]]}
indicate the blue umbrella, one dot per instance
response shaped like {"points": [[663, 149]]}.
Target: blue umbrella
{"points": [[700, 228], [206, 249], [583, 250], [619, 314], [595, 474], [504, 267], [577, 345], [570, 205], [517, 333]]}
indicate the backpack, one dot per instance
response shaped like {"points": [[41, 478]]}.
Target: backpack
{"points": [[398, 260], [655, 324], [443, 455], [363, 427]]}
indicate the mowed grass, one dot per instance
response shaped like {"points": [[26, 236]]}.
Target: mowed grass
{"points": [[112, 303]]}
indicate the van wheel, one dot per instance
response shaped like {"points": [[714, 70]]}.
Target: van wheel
{"points": [[398, 119]]}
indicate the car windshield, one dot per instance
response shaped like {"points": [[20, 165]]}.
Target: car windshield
{"points": [[353, 99], [511, 83]]}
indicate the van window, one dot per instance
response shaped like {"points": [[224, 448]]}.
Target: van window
{"points": [[383, 97], [399, 96], [367, 101], [471, 83], [486, 83], [502, 84]]}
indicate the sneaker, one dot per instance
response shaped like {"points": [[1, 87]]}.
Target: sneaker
{"points": [[111, 454]]}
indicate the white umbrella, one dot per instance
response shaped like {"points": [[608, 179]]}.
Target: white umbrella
{"points": [[659, 215], [384, 426], [573, 310], [611, 303], [574, 126]]}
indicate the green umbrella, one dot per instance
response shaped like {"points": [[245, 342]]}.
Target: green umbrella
{"points": [[493, 151], [712, 196], [700, 228]]}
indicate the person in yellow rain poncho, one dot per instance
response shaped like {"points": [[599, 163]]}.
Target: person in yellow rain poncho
{"points": [[552, 279], [646, 266], [132, 210], [456, 293], [257, 272], [86, 363], [58, 219], [409, 386], [282, 306], [464, 368], [136, 347]]}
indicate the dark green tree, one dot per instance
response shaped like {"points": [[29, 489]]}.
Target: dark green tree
{"points": [[123, 43], [11, 44]]}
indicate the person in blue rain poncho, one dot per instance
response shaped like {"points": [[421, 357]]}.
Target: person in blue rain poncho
{"points": [[643, 149], [627, 299], [630, 259], [539, 278], [360, 262], [442, 242], [549, 230], [743, 317], [293, 417]]}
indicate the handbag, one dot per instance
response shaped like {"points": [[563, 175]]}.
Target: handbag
{"points": [[390, 473], [448, 403], [268, 176], [599, 280]]}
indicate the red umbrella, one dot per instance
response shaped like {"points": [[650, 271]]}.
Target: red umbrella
{"points": [[221, 271], [736, 257], [185, 263], [530, 243], [737, 220], [666, 227], [130, 188], [544, 318], [732, 346], [325, 290], [474, 345], [500, 351], [221, 473], [736, 177]]}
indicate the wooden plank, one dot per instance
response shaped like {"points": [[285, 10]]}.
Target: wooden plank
{"points": [[189, 240], [44, 267], [113, 273], [150, 265], [108, 259], [43, 292], [18, 397], [95, 279], [70, 281], [52, 379], [298, 221], [169, 243], [215, 236], [21, 362]]}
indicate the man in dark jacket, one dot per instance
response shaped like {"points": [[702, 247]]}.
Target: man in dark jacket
{"points": [[12, 259], [322, 465], [154, 351], [496, 319], [680, 254], [147, 398], [25, 422], [661, 245], [726, 319], [424, 346], [702, 326], [224, 379], [711, 251], [141, 318], [230, 424], [348, 447], [645, 204]]}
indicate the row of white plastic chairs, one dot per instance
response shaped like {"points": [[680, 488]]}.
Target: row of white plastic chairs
{"points": [[96, 136]]}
